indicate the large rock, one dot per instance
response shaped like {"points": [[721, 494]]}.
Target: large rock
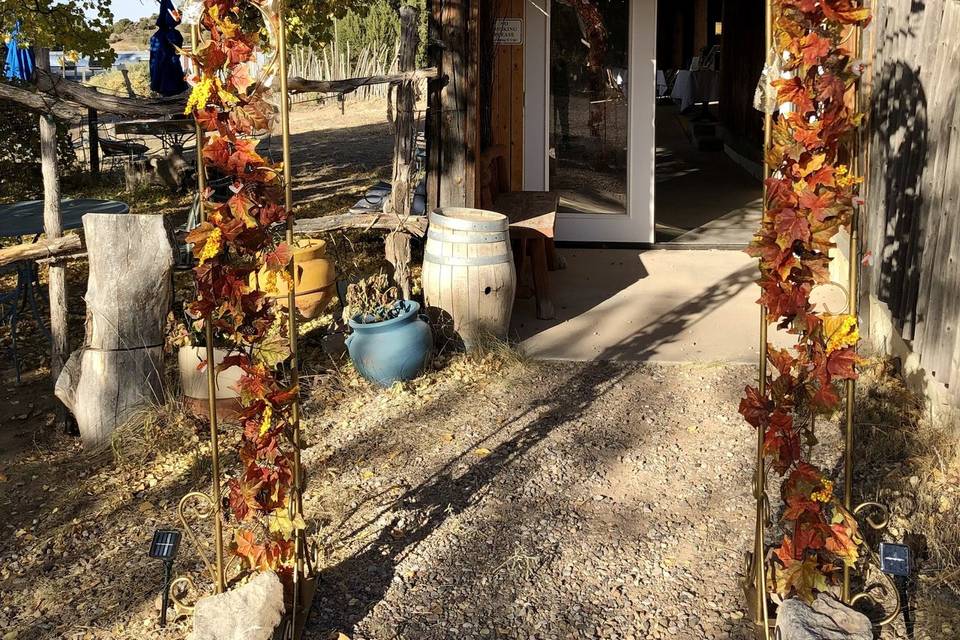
{"points": [[250, 612], [827, 619]]}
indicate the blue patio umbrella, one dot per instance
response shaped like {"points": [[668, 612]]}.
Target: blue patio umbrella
{"points": [[19, 63], [166, 73]]}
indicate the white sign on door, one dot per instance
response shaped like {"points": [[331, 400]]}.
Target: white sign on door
{"points": [[508, 31]]}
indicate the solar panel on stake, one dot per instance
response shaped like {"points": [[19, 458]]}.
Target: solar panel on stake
{"points": [[165, 544]]}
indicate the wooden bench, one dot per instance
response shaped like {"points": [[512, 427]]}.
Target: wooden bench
{"points": [[533, 219]]}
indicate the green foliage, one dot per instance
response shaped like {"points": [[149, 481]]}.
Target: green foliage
{"points": [[135, 34], [112, 81], [20, 153], [361, 25], [82, 26]]}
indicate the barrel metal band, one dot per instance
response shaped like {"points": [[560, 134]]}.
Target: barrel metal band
{"points": [[473, 238], [469, 225], [458, 261]]}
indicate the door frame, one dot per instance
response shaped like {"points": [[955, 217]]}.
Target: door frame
{"points": [[637, 225]]}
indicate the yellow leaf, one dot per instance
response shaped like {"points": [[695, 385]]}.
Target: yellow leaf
{"points": [[482, 452], [840, 331], [212, 246], [267, 418], [282, 523], [446, 437]]}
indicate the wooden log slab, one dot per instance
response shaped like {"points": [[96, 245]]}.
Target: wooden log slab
{"points": [[128, 298]]}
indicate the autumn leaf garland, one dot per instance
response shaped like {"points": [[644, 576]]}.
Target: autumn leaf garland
{"points": [[236, 253], [810, 196]]}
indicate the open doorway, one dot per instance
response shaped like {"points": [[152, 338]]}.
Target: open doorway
{"points": [[709, 137]]}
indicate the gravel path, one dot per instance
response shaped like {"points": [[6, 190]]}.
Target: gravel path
{"points": [[565, 501]]}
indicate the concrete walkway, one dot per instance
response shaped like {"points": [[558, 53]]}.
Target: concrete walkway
{"points": [[658, 306]]}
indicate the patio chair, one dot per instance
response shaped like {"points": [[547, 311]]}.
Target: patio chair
{"points": [[118, 153]]}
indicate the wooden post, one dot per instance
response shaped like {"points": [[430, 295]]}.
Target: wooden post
{"points": [[53, 228], [397, 245], [93, 135], [404, 146], [434, 87], [120, 368], [454, 16], [126, 81]]}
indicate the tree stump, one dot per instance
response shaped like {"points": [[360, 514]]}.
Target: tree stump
{"points": [[120, 367]]}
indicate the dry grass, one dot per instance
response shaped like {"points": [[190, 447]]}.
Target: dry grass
{"points": [[913, 465], [152, 431]]}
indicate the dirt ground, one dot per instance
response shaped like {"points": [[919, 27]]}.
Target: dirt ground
{"points": [[492, 498]]}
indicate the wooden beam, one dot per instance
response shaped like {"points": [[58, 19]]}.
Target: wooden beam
{"points": [[416, 225], [301, 85], [69, 91], [38, 102], [44, 248]]}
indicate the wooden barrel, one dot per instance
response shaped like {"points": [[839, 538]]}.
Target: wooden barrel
{"points": [[469, 278]]}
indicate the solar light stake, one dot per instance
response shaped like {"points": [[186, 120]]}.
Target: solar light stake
{"points": [[166, 543]]}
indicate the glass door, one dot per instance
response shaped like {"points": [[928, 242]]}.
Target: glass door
{"points": [[590, 90], [589, 94]]}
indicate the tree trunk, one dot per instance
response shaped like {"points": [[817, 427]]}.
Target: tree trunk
{"points": [[120, 368], [53, 228]]}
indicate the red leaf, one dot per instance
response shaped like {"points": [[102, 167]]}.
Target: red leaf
{"points": [[814, 48], [842, 363], [792, 226], [819, 206], [754, 407], [279, 258]]}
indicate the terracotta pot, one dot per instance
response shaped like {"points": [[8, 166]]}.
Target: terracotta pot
{"points": [[193, 384], [316, 278]]}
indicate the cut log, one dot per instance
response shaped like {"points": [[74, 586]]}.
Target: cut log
{"points": [[42, 249], [128, 297], [416, 225]]}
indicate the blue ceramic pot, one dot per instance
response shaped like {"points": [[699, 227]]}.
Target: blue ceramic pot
{"points": [[392, 350]]}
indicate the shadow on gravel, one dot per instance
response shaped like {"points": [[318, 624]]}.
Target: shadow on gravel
{"points": [[357, 584]]}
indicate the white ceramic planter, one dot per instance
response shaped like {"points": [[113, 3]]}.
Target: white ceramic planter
{"points": [[193, 383]]}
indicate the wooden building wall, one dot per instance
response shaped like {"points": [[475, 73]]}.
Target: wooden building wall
{"points": [[504, 64], [912, 169], [741, 61]]}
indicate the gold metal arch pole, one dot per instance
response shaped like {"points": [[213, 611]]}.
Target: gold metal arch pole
{"points": [[853, 301], [761, 616], [297, 494], [219, 582]]}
